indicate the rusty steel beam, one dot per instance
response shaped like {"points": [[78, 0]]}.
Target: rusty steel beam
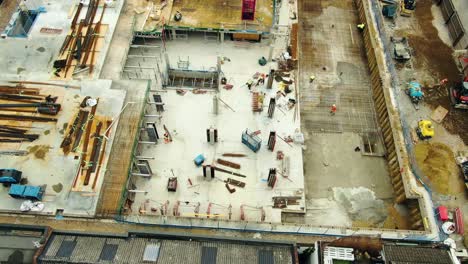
{"points": [[70, 54], [89, 12], [89, 36], [28, 118], [79, 133], [77, 15], [97, 30], [103, 150], [93, 157], [228, 164], [88, 130], [67, 139]]}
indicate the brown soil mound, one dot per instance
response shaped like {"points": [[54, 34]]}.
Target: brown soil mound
{"points": [[437, 162]]}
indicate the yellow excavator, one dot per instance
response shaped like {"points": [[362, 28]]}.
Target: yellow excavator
{"points": [[425, 130], [407, 7]]}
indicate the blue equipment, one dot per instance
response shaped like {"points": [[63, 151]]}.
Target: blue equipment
{"points": [[389, 11], [415, 92], [251, 140], [9, 176], [26, 192], [199, 160]]}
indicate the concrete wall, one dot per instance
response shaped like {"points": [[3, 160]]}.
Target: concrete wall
{"points": [[461, 8], [395, 131]]}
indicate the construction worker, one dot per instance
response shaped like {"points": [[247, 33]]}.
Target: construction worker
{"points": [[333, 109], [249, 84], [361, 27], [57, 72], [261, 80], [311, 78]]}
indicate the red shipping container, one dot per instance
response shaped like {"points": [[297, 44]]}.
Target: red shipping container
{"points": [[443, 213], [248, 9]]}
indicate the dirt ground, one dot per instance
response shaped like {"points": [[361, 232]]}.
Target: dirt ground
{"points": [[431, 53], [437, 162]]}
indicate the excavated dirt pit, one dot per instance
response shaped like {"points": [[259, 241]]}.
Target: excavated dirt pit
{"points": [[440, 64]]}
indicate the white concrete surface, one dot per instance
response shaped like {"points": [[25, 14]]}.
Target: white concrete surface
{"points": [[32, 58], [188, 117], [55, 168]]}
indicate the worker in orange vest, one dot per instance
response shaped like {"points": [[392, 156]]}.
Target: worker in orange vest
{"points": [[333, 109]]}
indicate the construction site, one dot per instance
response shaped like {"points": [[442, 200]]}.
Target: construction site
{"points": [[324, 118]]}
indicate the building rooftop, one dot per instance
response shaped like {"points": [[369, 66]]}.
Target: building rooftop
{"points": [[158, 248], [18, 244], [416, 255]]}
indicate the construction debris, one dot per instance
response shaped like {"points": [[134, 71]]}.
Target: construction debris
{"points": [[228, 163], [234, 155], [231, 190], [172, 184], [235, 182], [14, 152], [229, 172]]}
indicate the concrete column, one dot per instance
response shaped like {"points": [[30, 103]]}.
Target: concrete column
{"points": [[215, 105], [174, 33], [221, 36], [270, 53]]}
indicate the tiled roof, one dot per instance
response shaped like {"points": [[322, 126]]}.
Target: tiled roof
{"points": [[416, 255], [65, 248]]}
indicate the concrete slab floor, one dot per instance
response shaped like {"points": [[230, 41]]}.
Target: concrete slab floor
{"points": [[188, 117], [331, 49], [32, 58], [334, 162], [46, 163]]}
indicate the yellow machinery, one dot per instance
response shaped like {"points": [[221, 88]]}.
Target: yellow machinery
{"points": [[425, 130], [407, 7]]}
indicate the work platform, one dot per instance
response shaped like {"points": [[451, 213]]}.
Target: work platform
{"points": [[44, 163], [31, 57], [203, 16], [187, 114]]}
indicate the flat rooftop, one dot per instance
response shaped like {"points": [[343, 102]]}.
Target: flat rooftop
{"points": [[32, 57], [222, 14], [205, 15], [45, 162]]}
